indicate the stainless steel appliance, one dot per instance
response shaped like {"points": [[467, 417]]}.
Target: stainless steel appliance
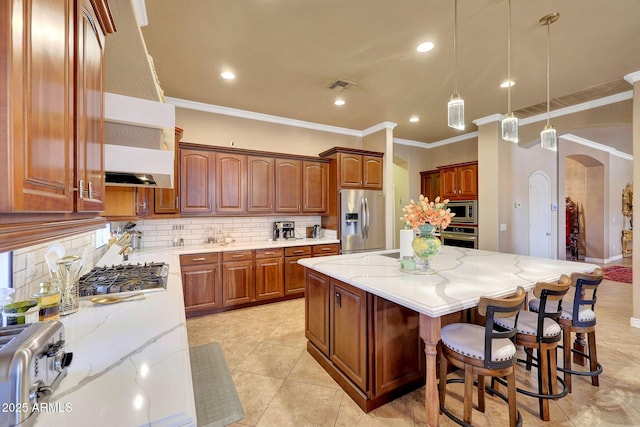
{"points": [[130, 278], [283, 230], [460, 236], [362, 226], [32, 364], [466, 211]]}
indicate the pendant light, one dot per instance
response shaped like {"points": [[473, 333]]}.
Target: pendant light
{"points": [[455, 107], [510, 121], [548, 139]]}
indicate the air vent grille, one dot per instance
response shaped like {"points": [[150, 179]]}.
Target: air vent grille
{"points": [[340, 85]]}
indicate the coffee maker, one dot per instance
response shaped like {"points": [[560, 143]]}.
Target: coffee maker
{"points": [[284, 230]]}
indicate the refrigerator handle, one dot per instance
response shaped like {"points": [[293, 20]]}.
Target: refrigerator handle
{"points": [[363, 219], [367, 217]]}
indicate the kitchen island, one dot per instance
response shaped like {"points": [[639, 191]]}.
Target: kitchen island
{"points": [[461, 277], [131, 362]]}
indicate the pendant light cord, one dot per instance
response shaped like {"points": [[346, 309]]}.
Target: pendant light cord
{"points": [[509, 59], [455, 44], [548, 71]]}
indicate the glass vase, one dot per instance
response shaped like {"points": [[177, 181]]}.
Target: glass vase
{"points": [[425, 247]]}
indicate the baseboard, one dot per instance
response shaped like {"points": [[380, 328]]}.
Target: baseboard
{"points": [[602, 260], [635, 323]]}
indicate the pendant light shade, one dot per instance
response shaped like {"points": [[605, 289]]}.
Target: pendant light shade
{"points": [[455, 107], [510, 121], [548, 138]]}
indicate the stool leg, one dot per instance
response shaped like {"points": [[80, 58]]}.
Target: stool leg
{"points": [[481, 393], [513, 409], [553, 368], [468, 393], [566, 344], [443, 378], [593, 356], [543, 381]]}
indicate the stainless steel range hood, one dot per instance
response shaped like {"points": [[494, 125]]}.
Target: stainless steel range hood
{"points": [[139, 142]]}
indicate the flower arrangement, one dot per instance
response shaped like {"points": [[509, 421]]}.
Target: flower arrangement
{"points": [[435, 213]]}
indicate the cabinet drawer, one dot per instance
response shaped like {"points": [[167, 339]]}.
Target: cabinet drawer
{"points": [[199, 259], [330, 249], [237, 256], [297, 251], [269, 253]]}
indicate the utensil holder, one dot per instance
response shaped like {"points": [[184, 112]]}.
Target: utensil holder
{"points": [[70, 298]]}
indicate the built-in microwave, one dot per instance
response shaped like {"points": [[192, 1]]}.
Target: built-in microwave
{"points": [[466, 211]]}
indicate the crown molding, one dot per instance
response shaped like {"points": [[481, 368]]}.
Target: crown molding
{"points": [[235, 112], [488, 119], [631, 78], [437, 144], [379, 127], [595, 145]]}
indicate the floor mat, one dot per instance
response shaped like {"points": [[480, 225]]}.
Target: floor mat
{"points": [[217, 402], [618, 273]]}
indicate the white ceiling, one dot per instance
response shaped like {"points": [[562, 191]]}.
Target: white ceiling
{"points": [[285, 53]]}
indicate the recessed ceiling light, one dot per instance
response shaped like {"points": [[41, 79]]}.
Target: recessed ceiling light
{"points": [[414, 119], [425, 47], [339, 102], [228, 75], [507, 83]]}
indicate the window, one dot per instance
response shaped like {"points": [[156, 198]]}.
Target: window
{"points": [[6, 269]]}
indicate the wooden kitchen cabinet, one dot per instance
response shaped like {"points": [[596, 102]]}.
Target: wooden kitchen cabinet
{"points": [[126, 202], [166, 199], [460, 181], [197, 169], [315, 187], [260, 184], [52, 138], [356, 168], [369, 345], [231, 183], [350, 166], [288, 181], [294, 272], [238, 283], [326, 249], [348, 331], [201, 282], [269, 273], [430, 184], [372, 172]]}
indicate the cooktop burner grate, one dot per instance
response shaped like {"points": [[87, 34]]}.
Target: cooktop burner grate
{"points": [[123, 278]]}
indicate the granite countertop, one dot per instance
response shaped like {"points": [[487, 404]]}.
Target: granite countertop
{"points": [[462, 276], [130, 362]]}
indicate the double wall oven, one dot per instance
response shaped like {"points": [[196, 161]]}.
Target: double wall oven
{"points": [[463, 231]]}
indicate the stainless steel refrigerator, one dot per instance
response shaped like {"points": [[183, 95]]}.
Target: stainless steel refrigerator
{"points": [[362, 226]]}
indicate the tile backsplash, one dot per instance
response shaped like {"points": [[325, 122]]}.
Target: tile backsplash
{"points": [[30, 268]]}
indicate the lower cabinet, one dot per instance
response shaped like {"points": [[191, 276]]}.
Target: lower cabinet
{"points": [[238, 284], [201, 286], [294, 272], [269, 273], [370, 346]]}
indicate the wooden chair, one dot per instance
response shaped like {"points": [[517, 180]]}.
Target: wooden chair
{"points": [[483, 351], [541, 332], [580, 318]]}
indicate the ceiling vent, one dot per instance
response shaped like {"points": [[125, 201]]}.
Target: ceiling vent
{"points": [[340, 85]]}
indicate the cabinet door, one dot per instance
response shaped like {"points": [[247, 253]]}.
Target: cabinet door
{"points": [[196, 181], [37, 131], [350, 170], [288, 185], [372, 172], [430, 184], [293, 275], [468, 181], [317, 310], [260, 186], [120, 201], [166, 199], [201, 287], [89, 111], [238, 284], [269, 278], [348, 331], [448, 183], [231, 183], [315, 186]]}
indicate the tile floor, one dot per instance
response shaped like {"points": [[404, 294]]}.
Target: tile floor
{"points": [[279, 384]]}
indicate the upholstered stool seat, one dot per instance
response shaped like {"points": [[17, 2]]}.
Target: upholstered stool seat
{"points": [[482, 351], [541, 332]]}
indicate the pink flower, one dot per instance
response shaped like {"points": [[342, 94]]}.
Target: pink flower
{"points": [[435, 213]]}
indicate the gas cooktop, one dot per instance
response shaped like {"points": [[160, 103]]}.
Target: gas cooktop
{"points": [[124, 278]]}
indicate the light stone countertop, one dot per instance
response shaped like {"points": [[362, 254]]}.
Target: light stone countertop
{"points": [[462, 276], [130, 362]]}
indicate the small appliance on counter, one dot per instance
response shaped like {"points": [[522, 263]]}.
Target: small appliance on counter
{"points": [[32, 364], [313, 232], [283, 230]]}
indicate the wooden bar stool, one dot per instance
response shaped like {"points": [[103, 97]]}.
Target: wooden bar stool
{"points": [[541, 332], [580, 318], [483, 351]]}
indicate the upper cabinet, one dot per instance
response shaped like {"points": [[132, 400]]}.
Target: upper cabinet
{"points": [[430, 184], [288, 185], [260, 184], [231, 183], [197, 169], [315, 186], [356, 168], [460, 181]]}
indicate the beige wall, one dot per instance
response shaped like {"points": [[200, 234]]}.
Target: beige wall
{"points": [[216, 129], [635, 319]]}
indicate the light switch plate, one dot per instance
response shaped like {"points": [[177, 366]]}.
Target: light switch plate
{"points": [[503, 227]]}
